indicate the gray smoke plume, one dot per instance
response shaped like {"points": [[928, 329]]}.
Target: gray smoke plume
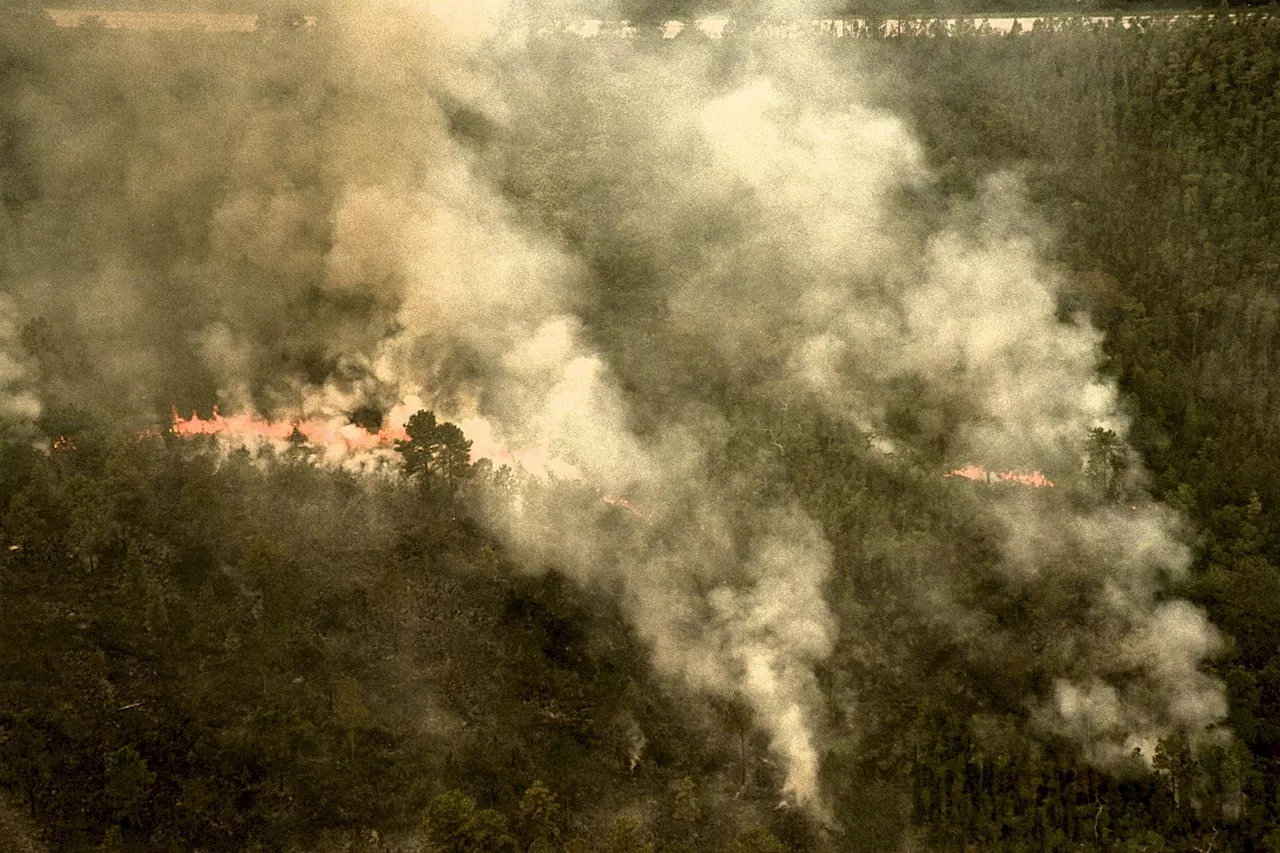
{"points": [[771, 216], [578, 248], [18, 401]]}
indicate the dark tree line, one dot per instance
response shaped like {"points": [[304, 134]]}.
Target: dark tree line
{"points": [[1151, 152], [210, 651]]}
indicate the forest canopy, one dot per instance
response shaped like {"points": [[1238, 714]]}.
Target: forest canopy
{"points": [[848, 445]]}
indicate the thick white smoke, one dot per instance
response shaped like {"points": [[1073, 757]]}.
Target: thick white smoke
{"points": [[815, 282], [769, 229], [816, 278], [969, 315], [19, 403], [504, 298]]}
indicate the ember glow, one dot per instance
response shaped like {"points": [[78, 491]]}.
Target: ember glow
{"points": [[1035, 479], [620, 503]]}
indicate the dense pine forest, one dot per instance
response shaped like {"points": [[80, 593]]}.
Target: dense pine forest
{"points": [[223, 645]]}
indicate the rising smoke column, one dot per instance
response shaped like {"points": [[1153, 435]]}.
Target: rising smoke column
{"points": [[768, 219], [550, 237], [19, 404], [775, 218], [491, 321], [501, 299]]}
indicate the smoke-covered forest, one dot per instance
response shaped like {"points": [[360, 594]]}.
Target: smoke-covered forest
{"points": [[638, 446]]}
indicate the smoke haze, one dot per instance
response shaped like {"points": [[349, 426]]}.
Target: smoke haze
{"points": [[594, 250]]}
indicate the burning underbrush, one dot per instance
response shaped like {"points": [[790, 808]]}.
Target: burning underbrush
{"points": [[247, 428], [619, 259], [979, 474], [338, 442]]}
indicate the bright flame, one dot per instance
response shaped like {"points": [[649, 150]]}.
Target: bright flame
{"points": [[328, 434], [1035, 479], [338, 440]]}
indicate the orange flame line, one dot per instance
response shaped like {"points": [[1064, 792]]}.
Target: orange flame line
{"points": [[978, 474], [350, 437]]}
